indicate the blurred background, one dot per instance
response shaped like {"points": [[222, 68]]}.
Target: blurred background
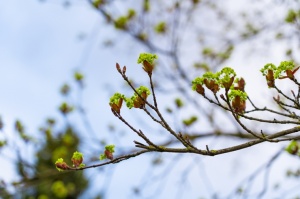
{"points": [[57, 66]]}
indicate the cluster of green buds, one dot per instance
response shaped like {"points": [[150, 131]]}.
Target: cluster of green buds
{"points": [[76, 159], [209, 79], [138, 100], [226, 78], [213, 81], [237, 95], [116, 102], [293, 148], [147, 59], [108, 152], [238, 100], [272, 72]]}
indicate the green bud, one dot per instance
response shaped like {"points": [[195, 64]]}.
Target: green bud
{"points": [[121, 22], [293, 147], [108, 153], [179, 103], [78, 76], [61, 165], [65, 108], [161, 27], [234, 93], [77, 159], [190, 121], [110, 148], [150, 58], [135, 100], [291, 16], [131, 13]]}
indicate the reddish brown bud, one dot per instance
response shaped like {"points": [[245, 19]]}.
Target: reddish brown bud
{"points": [[148, 67], [76, 162], [241, 85], [290, 74], [109, 154], [212, 85], [124, 70], [144, 95], [115, 108], [239, 106], [62, 165], [200, 89], [139, 102], [118, 67], [270, 79]]}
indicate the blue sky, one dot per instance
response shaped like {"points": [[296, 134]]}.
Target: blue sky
{"points": [[40, 50]]}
